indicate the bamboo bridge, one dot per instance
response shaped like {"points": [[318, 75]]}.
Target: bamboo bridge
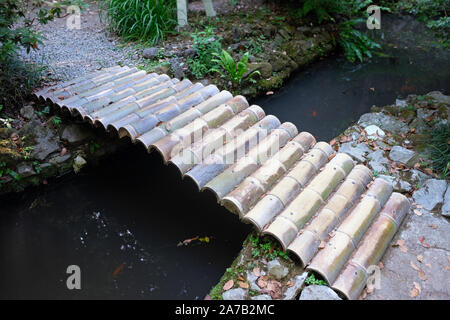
{"points": [[321, 207]]}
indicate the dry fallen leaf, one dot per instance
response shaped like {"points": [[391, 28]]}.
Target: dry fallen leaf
{"points": [[256, 272], [414, 293], [401, 244], [422, 275], [420, 258], [417, 212], [63, 151], [414, 266], [290, 283], [243, 285], [417, 286], [262, 281], [240, 277], [423, 244], [228, 285], [322, 244], [268, 93]]}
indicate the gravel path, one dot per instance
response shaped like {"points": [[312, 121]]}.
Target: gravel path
{"points": [[72, 53]]}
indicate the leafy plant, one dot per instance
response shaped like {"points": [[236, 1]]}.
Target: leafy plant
{"points": [[93, 146], [57, 120], [266, 248], [440, 149], [234, 71], [356, 44], [17, 80], [311, 280], [26, 152], [146, 20], [36, 167], [206, 45]]}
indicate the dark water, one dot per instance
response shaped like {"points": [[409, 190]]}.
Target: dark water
{"points": [[125, 217], [121, 222], [327, 97]]}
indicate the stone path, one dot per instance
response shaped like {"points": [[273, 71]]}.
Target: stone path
{"points": [[73, 53]]}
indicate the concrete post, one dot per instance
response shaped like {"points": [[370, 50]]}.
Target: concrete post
{"points": [[209, 8], [182, 13]]}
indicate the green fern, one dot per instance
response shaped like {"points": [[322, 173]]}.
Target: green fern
{"points": [[233, 71]]}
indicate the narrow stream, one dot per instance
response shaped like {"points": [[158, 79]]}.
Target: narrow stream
{"points": [[329, 96], [121, 222]]}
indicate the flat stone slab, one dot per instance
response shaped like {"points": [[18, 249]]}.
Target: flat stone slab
{"points": [[431, 194], [399, 274], [315, 292]]}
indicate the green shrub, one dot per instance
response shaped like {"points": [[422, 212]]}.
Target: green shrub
{"points": [[17, 80], [311, 280], [440, 150], [356, 44], [206, 45], [146, 20], [433, 12], [266, 248], [234, 71], [14, 35]]}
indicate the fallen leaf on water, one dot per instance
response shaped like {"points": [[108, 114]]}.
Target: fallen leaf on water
{"points": [[414, 266], [243, 285], [204, 239], [372, 89], [401, 244], [118, 269], [228, 285], [448, 258], [447, 268], [433, 226], [417, 212], [187, 241], [422, 275], [420, 258], [268, 93], [256, 271]]}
